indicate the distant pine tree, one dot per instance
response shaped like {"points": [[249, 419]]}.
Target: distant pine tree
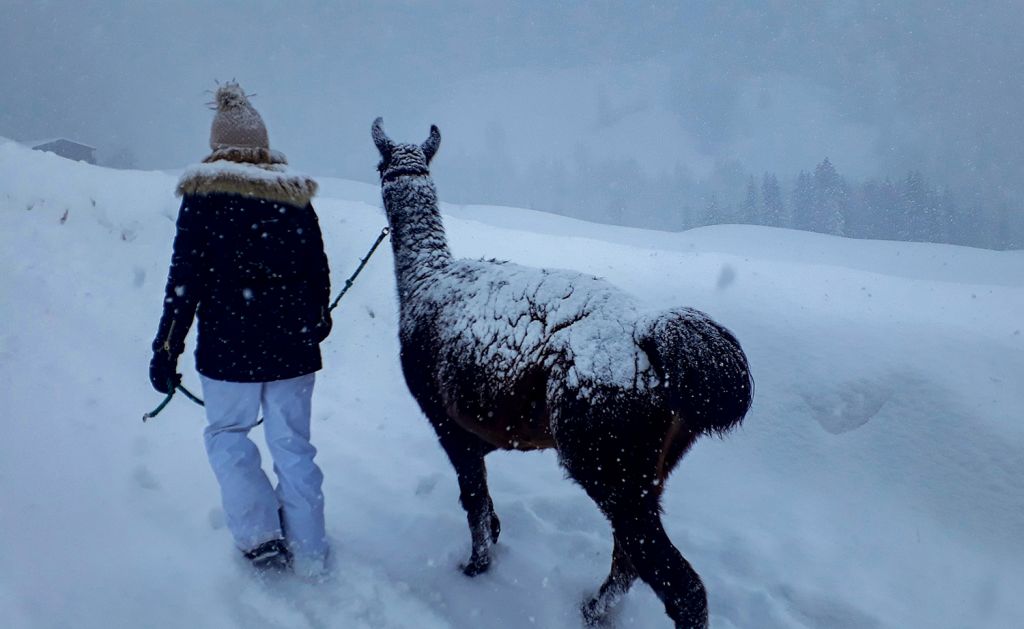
{"points": [[879, 209], [713, 214], [947, 215], [771, 201], [915, 204], [855, 220], [803, 202], [751, 213], [831, 198], [931, 226]]}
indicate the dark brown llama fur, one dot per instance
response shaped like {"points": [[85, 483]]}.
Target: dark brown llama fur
{"points": [[500, 356]]}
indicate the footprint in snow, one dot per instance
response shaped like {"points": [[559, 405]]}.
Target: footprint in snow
{"points": [[216, 518], [145, 479], [847, 406], [426, 484]]}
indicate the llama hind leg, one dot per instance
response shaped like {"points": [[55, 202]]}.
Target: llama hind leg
{"points": [[619, 580], [641, 537], [466, 453], [625, 480], [661, 566]]}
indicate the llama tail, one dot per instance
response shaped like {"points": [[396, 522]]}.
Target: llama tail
{"points": [[703, 368]]}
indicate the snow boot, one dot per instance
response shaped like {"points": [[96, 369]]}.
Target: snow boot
{"points": [[272, 555]]}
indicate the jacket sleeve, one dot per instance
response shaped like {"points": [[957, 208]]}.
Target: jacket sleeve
{"points": [[321, 281], [184, 282]]}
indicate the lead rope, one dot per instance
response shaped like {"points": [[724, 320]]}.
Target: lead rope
{"points": [[352, 278], [348, 284], [178, 387]]}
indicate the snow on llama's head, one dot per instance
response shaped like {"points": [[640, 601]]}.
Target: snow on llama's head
{"points": [[397, 160]]}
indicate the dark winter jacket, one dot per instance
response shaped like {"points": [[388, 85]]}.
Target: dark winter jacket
{"points": [[249, 263]]}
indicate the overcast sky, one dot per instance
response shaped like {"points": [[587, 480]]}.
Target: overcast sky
{"points": [[777, 85]]}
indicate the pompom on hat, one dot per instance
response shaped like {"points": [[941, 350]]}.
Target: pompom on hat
{"points": [[236, 124]]}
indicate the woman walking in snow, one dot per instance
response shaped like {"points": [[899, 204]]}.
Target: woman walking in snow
{"points": [[249, 263]]}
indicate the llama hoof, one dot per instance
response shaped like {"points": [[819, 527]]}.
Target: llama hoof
{"points": [[594, 613], [495, 527], [476, 565]]}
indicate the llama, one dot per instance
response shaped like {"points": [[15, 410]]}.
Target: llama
{"points": [[504, 356]]}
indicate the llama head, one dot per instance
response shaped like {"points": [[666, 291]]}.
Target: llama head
{"points": [[404, 159]]}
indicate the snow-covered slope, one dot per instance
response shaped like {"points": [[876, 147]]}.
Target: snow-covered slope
{"points": [[877, 482]]}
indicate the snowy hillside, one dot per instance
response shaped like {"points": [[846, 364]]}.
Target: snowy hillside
{"points": [[877, 483]]}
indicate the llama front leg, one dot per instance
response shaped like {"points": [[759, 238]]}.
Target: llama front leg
{"points": [[484, 526], [466, 453]]}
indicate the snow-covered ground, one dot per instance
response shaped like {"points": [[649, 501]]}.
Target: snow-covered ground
{"points": [[877, 482]]}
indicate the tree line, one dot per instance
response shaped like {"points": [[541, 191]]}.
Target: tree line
{"points": [[619, 191], [910, 208]]}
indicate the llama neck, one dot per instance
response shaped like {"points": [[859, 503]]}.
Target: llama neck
{"points": [[417, 234]]}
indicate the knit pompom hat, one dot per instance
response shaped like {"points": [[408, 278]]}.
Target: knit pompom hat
{"points": [[236, 124]]}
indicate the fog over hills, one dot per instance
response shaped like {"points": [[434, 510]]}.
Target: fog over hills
{"points": [[663, 103]]}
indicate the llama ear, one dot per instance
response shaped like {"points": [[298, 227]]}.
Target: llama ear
{"points": [[383, 142], [432, 143]]}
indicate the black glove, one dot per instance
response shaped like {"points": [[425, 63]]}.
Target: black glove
{"points": [[162, 372], [323, 327]]}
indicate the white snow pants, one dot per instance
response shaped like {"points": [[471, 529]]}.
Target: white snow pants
{"points": [[250, 502]]}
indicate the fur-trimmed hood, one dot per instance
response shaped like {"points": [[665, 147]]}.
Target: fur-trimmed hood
{"points": [[250, 172]]}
